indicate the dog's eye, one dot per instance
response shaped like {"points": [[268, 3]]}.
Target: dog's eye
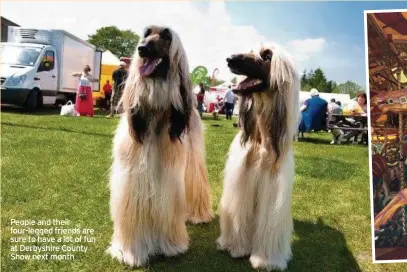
{"points": [[166, 34], [147, 32], [266, 55]]}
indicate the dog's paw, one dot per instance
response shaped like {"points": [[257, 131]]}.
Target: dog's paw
{"points": [[239, 251], [128, 257], [115, 252], [204, 218], [221, 244], [258, 262], [171, 250]]}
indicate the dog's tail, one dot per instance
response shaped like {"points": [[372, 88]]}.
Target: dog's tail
{"points": [[197, 188]]}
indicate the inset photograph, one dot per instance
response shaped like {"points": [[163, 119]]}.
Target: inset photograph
{"points": [[387, 58]]}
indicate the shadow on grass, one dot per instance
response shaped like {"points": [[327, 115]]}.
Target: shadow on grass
{"points": [[57, 129], [211, 118], [46, 110], [318, 248], [314, 140], [309, 139]]}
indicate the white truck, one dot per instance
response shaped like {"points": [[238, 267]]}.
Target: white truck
{"points": [[37, 66]]}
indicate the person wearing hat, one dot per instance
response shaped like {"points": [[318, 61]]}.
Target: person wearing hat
{"points": [[313, 113], [119, 77]]}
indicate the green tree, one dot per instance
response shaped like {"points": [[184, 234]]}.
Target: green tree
{"points": [[316, 79], [234, 80], [306, 88], [349, 87], [121, 43], [304, 79]]}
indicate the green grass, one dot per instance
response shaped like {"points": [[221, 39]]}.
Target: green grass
{"points": [[57, 167]]}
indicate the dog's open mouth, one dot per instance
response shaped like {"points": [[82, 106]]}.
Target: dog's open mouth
{"points": [[250, 85], [149, 66]]}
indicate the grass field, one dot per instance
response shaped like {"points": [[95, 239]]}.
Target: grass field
{"points": [[57, 167]]}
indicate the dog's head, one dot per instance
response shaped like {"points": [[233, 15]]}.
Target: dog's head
{"points": [[269, 97], [256, 68], [154, 52], [158, 83]]}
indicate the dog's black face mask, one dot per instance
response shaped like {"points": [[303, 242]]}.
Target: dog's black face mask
{"points": [[154, 50], [256, 69]]}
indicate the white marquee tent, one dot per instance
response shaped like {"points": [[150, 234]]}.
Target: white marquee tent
{"points": [[109, 59]]}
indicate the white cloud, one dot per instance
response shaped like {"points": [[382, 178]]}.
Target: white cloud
{"points": [[208, 36], [308, 45], [304, 49]]}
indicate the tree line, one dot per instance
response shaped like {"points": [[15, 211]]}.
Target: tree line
{"points": [[317, 79]]}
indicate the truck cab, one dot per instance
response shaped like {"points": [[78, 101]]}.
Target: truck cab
{"points": [[37, 66], [27, 69]]}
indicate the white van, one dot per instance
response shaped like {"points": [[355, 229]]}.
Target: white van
{"points": [[37, 66]]}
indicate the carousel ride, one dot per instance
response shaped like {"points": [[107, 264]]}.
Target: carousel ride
{"points": [[387, 51]]}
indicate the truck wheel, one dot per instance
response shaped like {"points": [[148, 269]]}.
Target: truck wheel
{"points": [[32, 100], [40, 100]]}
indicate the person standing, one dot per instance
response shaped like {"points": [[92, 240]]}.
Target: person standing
{"points": [[107, 90], [119, 77], [84, 99], [229, 103], [200, 98]]}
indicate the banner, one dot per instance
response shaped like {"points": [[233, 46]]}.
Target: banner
{"points": [[198, 75]]}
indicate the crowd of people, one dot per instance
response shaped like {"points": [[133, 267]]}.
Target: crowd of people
{"points": [[226, 104], [112, 95], [317, 114]]}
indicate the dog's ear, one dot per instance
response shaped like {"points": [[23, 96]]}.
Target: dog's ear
{"points": [[179, 119], [138, 123], [247, 119], [277, 123]]}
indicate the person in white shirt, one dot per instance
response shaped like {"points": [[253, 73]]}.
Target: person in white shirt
{"points": [[229, 103]]}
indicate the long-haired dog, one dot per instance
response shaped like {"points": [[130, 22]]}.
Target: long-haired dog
{"points": [[255, 208], [159, 178]]}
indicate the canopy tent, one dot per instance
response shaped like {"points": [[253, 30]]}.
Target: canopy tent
{"points": [[222, 87], [343, 98], [109, 59], [387, 53], [109, 63], [216, 94]]}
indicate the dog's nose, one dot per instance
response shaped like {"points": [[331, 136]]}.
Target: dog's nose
{"points": [[143, 50], [233, 58]]}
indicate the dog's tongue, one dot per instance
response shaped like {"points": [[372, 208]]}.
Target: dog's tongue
{"points": [[149, 67], [247, 83]]}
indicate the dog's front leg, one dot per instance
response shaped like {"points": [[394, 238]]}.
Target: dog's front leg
{"points": [[197, 188], [274, 223], [131, 242], [237, 205], [236, 221], [171, 213]]}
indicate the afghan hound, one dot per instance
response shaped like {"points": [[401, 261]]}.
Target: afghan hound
{"points": [[159, 178], [255, 208]]}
